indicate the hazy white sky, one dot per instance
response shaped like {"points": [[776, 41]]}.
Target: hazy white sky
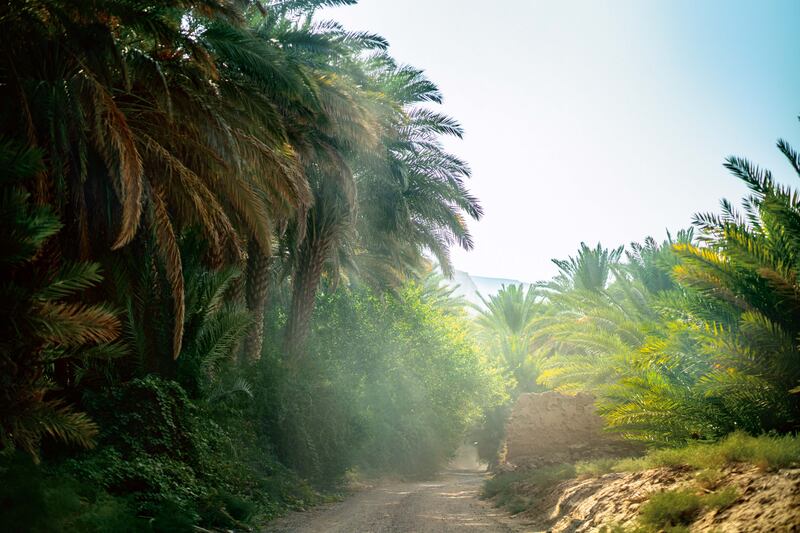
{"points": [[597, 120]]}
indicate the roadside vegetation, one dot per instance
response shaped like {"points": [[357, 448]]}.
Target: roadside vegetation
{"points": [[687, 339], [689, 345], [225, 230], [218, 297]]}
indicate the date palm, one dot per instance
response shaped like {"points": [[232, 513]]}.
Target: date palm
{"points": [[43, 327], [413, 198], [404, 196], [322, 119], [747, 278], [154, 115], [505, 325], [590, 270]]}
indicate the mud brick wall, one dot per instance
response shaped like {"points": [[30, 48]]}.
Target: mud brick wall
{"points": [[550, 428]]}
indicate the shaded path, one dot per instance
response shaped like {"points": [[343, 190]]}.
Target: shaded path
{"points": [[447, 504]]}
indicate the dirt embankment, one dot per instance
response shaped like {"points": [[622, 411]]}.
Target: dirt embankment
{"points": [[765, 502], [548, 429]]}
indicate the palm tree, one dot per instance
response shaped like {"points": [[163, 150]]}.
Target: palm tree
{"points": [[411, 196], [746, 279], [43, 326], [505, 325], [692, 338], [652, 263], [436, 290], [134, 133], [348, 126], [632, 345], [590, 270]]}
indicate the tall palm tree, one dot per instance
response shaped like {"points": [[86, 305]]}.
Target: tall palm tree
{"points": [[411, 196], [153, 114], [347, 127]]}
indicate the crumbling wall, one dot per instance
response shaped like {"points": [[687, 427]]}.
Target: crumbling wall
{"points": [[550, 428]]}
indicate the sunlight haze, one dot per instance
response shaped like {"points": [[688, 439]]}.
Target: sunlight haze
{"points": [[597, 121]]}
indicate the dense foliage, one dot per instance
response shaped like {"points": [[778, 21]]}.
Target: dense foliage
{"points": [[217, 219], [393, 383], [692, 338], [166, 168]]}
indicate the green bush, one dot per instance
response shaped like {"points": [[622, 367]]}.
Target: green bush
{"points": [[502, 483], [670, 508], [178, 465], [32, 499], [673, 510], [721, 499]]}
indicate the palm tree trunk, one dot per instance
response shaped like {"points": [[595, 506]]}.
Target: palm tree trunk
{"points": [[308, 274], [258, 265]]}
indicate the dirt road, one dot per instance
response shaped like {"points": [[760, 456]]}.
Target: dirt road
{"points": [[449, 503]]}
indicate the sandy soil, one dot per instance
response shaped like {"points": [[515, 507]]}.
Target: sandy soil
{"points": [[447, 504], [767, 502]]}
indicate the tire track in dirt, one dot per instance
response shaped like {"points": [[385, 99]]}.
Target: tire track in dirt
{"points": [[447, 504]]}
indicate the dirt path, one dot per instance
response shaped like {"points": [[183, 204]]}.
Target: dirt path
{"points": [[450, 503]]}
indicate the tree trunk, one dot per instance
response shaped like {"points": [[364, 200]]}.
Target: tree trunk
{"points": [[257, 274], [307, 276]]}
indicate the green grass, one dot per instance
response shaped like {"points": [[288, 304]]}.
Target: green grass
{"points": [[709, 478], [766, 452], [722, 499], [502, 483]]}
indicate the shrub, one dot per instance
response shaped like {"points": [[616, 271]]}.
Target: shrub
{"points": [[678, 508], [32, 499], [502, 483], [670, 508], [709, 478], [721, 499], [162, 450]]}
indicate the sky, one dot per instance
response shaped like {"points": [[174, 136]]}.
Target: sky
{"points": [[597, 121]]}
